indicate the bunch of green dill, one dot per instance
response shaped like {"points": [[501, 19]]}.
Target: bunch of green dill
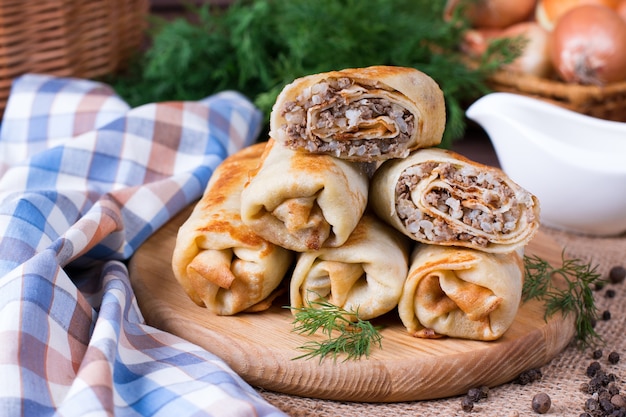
{"points": [[256, 47]]}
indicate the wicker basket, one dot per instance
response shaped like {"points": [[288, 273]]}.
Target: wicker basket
{"points": [[77, 38], [608, 102]]}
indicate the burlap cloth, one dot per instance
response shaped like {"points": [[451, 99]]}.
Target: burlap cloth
{"points": [[562, 377]]}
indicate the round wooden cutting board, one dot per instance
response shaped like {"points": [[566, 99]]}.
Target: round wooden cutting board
{"points": [[261, 347]]}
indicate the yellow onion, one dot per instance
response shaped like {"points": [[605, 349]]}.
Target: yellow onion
{"points": [[587, 46], [535, 57], [621, 9], [493, 13], [547, 12]]}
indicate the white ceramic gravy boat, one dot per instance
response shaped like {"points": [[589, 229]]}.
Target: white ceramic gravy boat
{"points": [[575, 164]]}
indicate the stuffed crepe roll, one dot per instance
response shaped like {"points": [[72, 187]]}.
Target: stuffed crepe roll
{"points": [[460, 292], [360, 114], [302, 201], [364, 275], [436, 196], [220, 262]]}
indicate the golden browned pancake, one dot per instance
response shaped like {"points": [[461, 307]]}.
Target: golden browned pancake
{"points": [[221, 263]]}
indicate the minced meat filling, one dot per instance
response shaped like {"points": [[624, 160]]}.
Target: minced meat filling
{"points": [[347, 117], [484, 213]]}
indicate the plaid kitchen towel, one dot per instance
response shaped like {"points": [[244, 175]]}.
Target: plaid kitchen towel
{"points": [[84, 181]]}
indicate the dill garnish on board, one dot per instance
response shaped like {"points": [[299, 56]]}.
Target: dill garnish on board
{"points": [[257, 47], [572, 294], [348, 335]]}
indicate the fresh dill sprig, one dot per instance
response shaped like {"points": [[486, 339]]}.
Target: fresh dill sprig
{"points": [[574, 296], [346, 333], [257, 47]]}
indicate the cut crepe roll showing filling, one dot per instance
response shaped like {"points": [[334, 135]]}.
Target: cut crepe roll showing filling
{"points": [[436, 196], [360, 114], [364, 275], [220, 262], [302, 201], [461, 292]]}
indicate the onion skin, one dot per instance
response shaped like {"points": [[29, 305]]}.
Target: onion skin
{"points": [[547, 12], [497, 14], [587, 46]]}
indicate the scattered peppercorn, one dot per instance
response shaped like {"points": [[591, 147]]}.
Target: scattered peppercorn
{"points": [[592, 405], [597, 354], [467, 404], [613, 389], [584, 387], [474, 394], [613, 358], [605, 399], [593, 368], [528, 376], [609, 293], [606, 315], [618, 401], [617, 274], [595, 385], [606, 406], [604, 395], [601, 379], [541, 403]]}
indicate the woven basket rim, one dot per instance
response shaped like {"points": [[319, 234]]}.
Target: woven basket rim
{"points": [[532, 82], [68, 39]]}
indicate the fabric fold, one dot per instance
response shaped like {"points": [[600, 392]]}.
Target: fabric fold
{"points": [[71, 211]]}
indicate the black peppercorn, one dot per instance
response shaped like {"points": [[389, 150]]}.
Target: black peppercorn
{"points": [[592, 405], [606, 406], [467, 404], [535, 374], [541, 403], [609, 293], [617, 274], [597, 354], [474, 394], [604, 395], [594, 385], [618, 401], [600, 379], [613, 358], [606, 315], [593, 368], [528, 376]]}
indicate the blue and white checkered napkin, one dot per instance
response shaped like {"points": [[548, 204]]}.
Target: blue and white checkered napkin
{"points": [[84, 180]]}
